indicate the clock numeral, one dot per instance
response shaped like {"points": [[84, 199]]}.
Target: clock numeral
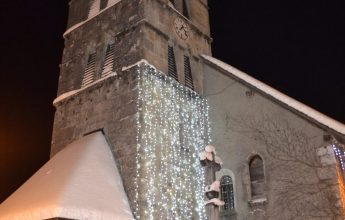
{"points": [[181, 28]]}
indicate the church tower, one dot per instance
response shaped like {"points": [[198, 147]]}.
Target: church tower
{"points": [[110, 46], [106, 35]]}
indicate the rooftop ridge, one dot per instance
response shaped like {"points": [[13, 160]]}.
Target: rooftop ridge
{"points": [[279, 96]]}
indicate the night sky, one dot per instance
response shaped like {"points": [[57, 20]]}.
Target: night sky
{"points": [[297, 47]]}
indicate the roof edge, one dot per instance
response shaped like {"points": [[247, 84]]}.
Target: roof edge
{"points": [[285, 101]]}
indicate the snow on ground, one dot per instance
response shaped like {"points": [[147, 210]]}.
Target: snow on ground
{"points": [[300, 107], [80, 182]]}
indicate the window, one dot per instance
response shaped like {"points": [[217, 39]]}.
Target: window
{"points": [[227, 193], [185, 11], [172, 72], [108, 61], [103, 4], [94, 8], [256, 172], [90, 69], [188, 73]]}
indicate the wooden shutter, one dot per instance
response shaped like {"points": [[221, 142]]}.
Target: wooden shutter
{"points": [[172, 71], [188, 73], [108, 61], [89, 73], [185, 11]]}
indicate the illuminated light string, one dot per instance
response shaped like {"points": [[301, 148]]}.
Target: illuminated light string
{"points": [[339, 151], [172, 128]]}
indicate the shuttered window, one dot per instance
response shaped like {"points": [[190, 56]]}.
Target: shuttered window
{"points": [[227, 193], [108, 61], [89, 73], [185, 11], [172, 71], [188, 73]]}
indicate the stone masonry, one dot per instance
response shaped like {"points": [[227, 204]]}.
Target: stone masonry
{"points": [[111, 106], [137, 33], [139, 29], [302, 179]]}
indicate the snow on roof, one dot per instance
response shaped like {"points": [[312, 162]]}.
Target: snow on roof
{"points": [[140, 62], [300, 107], [80, 182], [68, 94], [73, 92]]}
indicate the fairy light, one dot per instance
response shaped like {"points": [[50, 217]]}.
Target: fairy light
{"points": [[339, 151], [172, 128]]}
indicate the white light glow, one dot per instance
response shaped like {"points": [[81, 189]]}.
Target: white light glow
{"points": [[173, 128], [339, 151]]}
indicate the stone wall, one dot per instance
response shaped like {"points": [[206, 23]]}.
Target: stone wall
{"points": [[111, 106], [78, 12], [119, 25], [139, 30], [159, 33], [301, 180], [138, 34]]}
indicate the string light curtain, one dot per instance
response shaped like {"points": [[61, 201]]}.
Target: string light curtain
{"points": [[339, 151], [173, 128]]}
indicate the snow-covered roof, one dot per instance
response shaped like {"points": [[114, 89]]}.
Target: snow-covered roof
{"points": [[73, 92], [80, 182], [298, 106]]}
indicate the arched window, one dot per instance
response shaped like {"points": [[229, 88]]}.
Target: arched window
{"points": [[227, 193], [257, 176]]}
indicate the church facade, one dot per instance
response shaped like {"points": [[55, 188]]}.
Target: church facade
{"points": [[283, 158], [138, 77]]}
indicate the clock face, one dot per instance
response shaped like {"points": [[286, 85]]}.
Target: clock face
{"points": [[181, 28]]}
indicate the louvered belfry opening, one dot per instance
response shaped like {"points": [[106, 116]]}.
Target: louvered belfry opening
{"points": [[89, 73], [172, 71], [188, 73], [185, 11], [108, 61]]}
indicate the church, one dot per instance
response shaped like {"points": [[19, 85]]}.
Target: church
{"points": [[140, 97]]}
